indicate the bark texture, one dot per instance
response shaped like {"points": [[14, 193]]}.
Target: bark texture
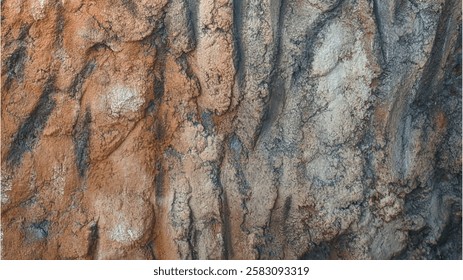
{"points": [[220, 129]]}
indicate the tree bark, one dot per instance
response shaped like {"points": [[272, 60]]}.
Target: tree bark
{"points": [[220, 129]]}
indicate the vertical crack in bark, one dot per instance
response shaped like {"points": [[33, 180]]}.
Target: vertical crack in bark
{"points": [[193, 10], [192, 233], [81, 139], [226, 227], [434, 66], [79, 79], [93, 238], [277, 89], [379, 26], [224, 212], [239, 58], [31, 129]]}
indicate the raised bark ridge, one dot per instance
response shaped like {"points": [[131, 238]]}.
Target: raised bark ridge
{"points": [[220, 129]]}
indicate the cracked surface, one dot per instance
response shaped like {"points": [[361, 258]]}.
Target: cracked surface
{"points": [[231, 129]]}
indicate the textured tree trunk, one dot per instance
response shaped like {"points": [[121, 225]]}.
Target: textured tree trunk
{"points": [[220, 129]]}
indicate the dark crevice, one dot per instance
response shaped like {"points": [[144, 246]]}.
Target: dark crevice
{"points": [[150, 249], [93, 239], [287, 208], [446, 247], [428, 83], [97, 47], [159, 129], [244, 187], [193, 235], [15, 66], [224, 209], [24, 32], [380, 27], [159, 41], [215, 174], [286, 222], [81, 138], [226, 227], [321, 251], [193, 10], [274, 105], [190, 25], [79, 79], [30, 130], [185, 65], [159, 181], [276, 84], [158, 89], [207, 122], [239, 59]]}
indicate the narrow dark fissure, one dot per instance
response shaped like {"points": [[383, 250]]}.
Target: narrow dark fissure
{"points": [[79, 79], [30, 130], [276, 82], [93, 239], [81, 138], [238, 6]]}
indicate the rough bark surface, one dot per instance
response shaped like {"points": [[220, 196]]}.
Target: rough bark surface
{"points": [[220, 129]]}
